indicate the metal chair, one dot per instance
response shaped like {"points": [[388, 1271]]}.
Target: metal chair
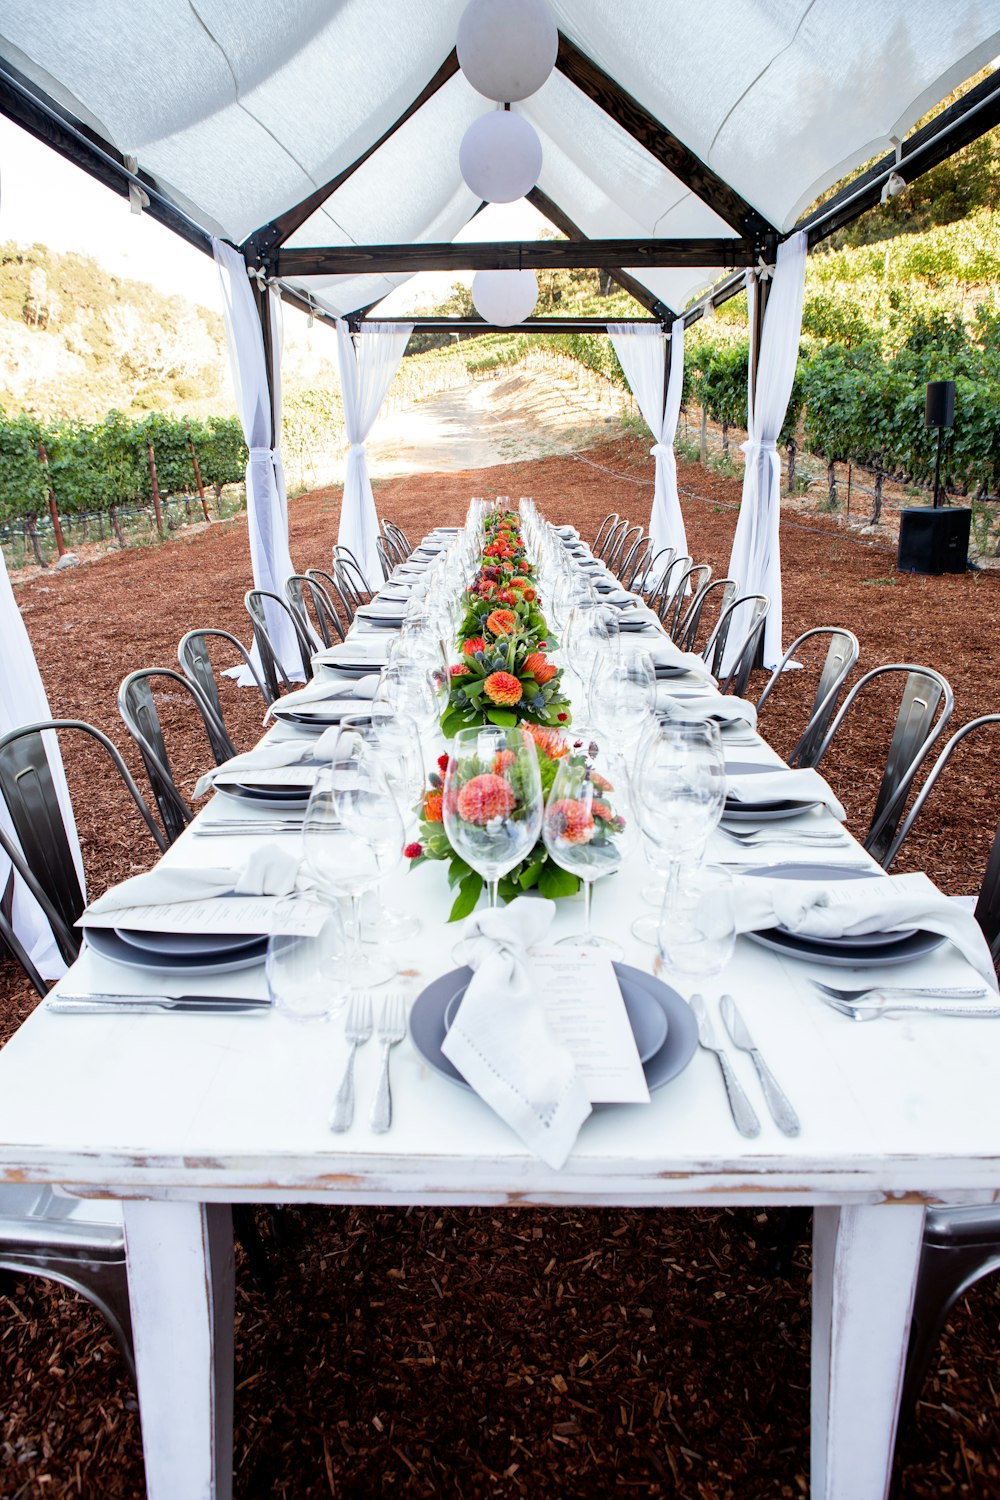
{"points": [[395, 544], [686, 633], [43, 856], [610, 521], [335, 596], [196, 664], [398, 536], [610, 541], [621, 546], [664, 593], [691, 581], [385, 558], [714, 648], [304, 591], [274, 673], [656, 571], [350, 575], [137, 707], [735, 681], [841, 656], [631, 559], [925, 693]]}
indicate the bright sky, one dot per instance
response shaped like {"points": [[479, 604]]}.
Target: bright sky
{"points": [[46, 199]]}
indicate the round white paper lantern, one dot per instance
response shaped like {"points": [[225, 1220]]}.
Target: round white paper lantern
{"points": [[507, 48], [500, 157], [504, 297]]}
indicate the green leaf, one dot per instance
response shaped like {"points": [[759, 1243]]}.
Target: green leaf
{"points": [[468, 894], [457, 870], [451, 721], [501, 716], [553, 882], [529, 877]]}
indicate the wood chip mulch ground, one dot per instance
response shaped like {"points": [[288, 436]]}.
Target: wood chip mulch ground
{"points": [[544, 1353]]}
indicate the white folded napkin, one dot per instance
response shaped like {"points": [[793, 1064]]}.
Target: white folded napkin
{"points": [[361, 650], [685, 661], [321, 690], [382, 609], [782, 785], [273, 756], [268, 871], [890, 903], [719, 707], [500, 1040]]}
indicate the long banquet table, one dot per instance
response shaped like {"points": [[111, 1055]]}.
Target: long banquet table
{"points": [[180, 1116]]}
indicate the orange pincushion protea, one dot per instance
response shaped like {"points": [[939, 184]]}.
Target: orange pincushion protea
{"points": [[432, 807], [484, 798], [501, 622], [503, 689], [507, 596], [601, 782], [473, 644], [540, 668], [549, 741], [571, 821], [529, 596], [502, 760], [459, 670]]}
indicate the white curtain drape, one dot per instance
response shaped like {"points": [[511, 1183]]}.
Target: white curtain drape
{"points": [[23, 701], [267, 501], [641, 353], [756, 555], [367, 366]]}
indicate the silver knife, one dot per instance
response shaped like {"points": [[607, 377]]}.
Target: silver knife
{"points": [[782, 1112], [83, 1005], [747, 1122]]}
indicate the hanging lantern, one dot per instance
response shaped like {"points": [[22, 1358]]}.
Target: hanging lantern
{"points": [[504, 297], [507, 48], [500, 157]]}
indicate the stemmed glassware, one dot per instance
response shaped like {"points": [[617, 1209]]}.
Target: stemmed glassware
{"points": [[492, 806], [352, 837], [680, 795], [622, 697], [389, 743], [585, 828]]}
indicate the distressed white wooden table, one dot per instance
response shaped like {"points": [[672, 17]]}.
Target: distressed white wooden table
{"points": [[180, 1116]]}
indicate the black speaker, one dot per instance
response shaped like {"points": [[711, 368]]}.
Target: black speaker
{"points": [[940, 408], [934, 541]]}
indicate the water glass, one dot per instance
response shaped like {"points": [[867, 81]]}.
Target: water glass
{"points": [[585, 827], [697, 933], [308, 977]]}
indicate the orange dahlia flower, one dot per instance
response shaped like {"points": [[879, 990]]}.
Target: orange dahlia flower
{"points": [[503, 689], [571, 821], [507, 596], [501, 622], [485, 797]]}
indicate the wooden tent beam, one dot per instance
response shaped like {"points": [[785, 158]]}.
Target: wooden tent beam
{"points": [[562, 221], [660, 142], [512, 255]]}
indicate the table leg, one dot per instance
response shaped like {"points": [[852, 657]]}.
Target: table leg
{"points": [[864, 1274], [182, 1294]]}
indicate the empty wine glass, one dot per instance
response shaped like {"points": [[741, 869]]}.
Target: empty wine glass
{"points": [[352, 837], [680, 794], [584, 828], [390, 743], [622, 697], [492, 806]]}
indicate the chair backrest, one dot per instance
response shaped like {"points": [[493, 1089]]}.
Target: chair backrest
{"points": [[622, 544], [335, 597], [930, 782], [137, 706], [656, 571], [398, 536], [274, 672], [685, 633], [842, 653], [987, 912], [664, 594], [305, 593], [925, 693], [350, 575], [692, 580], [715, 646], [8, 937], [611, 540], [610, 520], [395, 545], [735, 681], [29, 791], [385, 557], [632, 559], [196, 664]]}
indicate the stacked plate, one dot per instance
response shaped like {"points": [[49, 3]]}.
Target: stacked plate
{"points": [[324, 712], [861, 950], [265, 794], [766, 810], [178, 953], [665, 1030]]}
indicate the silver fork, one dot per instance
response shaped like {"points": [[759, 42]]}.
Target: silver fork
{"points": [[755, 836], [391, 1031], [869, 1004], [357, 1030]]}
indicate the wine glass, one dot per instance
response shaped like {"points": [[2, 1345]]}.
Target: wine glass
{"points": [[352, 837], [584, 828], [307, 974], [622, 696], [680, 795], [390, 743], [492, 805], [589, 633]]}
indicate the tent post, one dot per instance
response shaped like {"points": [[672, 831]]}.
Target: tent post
{"points": [[756, 331], [667, 348], [262, 300]]}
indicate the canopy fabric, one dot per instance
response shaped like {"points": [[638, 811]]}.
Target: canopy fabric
{"points": [[267, 502], [756, 557], [367, 364], [240, 112], [641, 353], [23, 701]]}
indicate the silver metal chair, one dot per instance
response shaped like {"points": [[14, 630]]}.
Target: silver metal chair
{"points": [[274, 673], [686, 632], [611, 540], [656, 568], [632, 558], [395, 545], [43, 856], [305, 593], [664, 593], [137, 706], [622, 544], [735, 681], [335, 596], [385, 558], [398, 536], [691, 581], [925, 694], [714, 648], [350, 575], [196, 664], [607, 525], [841, 656]]}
